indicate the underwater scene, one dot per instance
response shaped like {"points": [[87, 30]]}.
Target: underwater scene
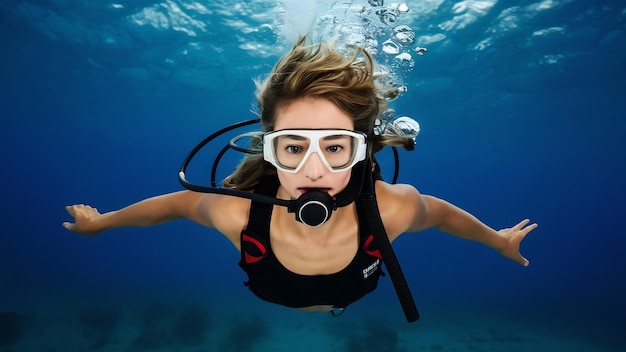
{"points": [[518, 108]]}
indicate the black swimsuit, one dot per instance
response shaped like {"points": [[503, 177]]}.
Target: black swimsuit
{"points": [[272, 282]]}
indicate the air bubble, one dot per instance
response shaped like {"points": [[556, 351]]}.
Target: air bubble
{"points": [[388, 16], [403, 8], [404, 57], [403, 34], [407, 126], [420, 51], [390, 47]]}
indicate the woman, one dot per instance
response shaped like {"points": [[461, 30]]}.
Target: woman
{"points": [[318, 109]]}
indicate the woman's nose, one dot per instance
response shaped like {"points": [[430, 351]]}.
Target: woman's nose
{"points": [[313, 167]]}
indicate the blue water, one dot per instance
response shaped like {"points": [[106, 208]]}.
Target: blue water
{"points": [[522, 107]]}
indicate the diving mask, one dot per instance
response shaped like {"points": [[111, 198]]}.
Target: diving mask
{"points": [[289, 149]]}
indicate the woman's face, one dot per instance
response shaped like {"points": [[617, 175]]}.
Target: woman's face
{"points": [[308, 113]]}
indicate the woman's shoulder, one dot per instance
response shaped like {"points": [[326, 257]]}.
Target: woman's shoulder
{"points": [[227, 214], [395, 193], [399, 205]]}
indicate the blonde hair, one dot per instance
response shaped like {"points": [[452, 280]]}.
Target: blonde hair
{"points": [[318, 71]]}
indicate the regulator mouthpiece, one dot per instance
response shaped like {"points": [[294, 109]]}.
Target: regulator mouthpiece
{"points": [[313, 208]]}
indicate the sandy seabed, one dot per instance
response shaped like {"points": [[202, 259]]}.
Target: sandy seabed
{"points": [[254, 327]]}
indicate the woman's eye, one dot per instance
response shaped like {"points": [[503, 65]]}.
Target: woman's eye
{"points": [[334, 148], [293, 149]]}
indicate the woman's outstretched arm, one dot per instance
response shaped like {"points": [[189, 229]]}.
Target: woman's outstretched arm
{"points": [[451, 219], [406, 210], [184, 204]]}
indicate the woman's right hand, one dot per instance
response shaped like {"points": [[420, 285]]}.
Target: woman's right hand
{"points": [[85, 219]]}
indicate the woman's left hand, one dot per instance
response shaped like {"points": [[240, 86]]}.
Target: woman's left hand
{"points": [[514, 236]]}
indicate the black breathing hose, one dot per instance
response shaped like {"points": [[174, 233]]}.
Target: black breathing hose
{"points": [[389, 257]]}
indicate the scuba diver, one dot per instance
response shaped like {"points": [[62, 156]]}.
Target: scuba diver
{"points": [[307, 207]]}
